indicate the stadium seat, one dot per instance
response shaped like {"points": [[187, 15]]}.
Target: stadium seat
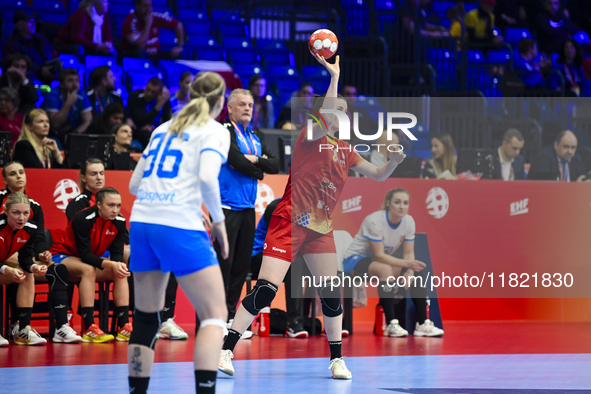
{"points": [[282, 71], [130, 63], [232, 29], [385, 5], [425, 154], [277, 58], [70, 61], [121, 10], [9, 7], [266, 45], [196, 27], [314, 72], [236, 57], [515, 34], [96, 61], [55, 17], [172, 70], [233, 42], [49, 5], [440, 8], [476, 57], [581, 37], [247, 71], [226, 15], [159, 3], [168, 39], [164, 10], [137, 79], [215, 54], [192, 4], [499, 56]]}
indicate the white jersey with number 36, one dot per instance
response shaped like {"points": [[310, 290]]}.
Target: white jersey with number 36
{"points": [[169, 193]]}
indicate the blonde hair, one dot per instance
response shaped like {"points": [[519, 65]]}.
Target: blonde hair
{"points": [[389, 196], [27, 134], [205, 91], [16, 198], [448, 162]]}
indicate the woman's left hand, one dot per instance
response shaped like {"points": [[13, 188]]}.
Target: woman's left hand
{"points": [[45, 256]]}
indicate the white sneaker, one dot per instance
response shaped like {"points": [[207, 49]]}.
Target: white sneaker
{"points": [[66, 334], [28, 336], [427, 329], [247, 334], [170, 330], [13, 330], [225, 363], [339, 369], [3, 342], [395, 330]]}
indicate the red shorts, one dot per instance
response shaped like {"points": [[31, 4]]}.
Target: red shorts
{"points": [[284, 240]]}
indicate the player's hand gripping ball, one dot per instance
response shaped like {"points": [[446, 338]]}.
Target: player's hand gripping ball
{"points": [[323, 42]]}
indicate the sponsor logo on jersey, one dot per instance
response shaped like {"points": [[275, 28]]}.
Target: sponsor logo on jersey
{"points": [[278, 250], [352, 204], [19, 240], [110, 232], [327, 183], [519, 207]]}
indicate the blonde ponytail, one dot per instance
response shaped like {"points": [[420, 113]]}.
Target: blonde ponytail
{"points": [[205, 91]]}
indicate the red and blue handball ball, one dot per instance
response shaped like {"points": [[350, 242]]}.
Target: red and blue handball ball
{"points": [[323, 42]]}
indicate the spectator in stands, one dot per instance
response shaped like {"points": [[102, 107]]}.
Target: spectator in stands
{"points": [[553, 26], [570, 65], [305, 95], [123, 138], [248, 161], [509, 163], [15, 76], [182, 96], [89, 235], [443, 162], [480, 24], [10, 120], [428, 24], [560, 162], [149, 108], [263, 116], [33, 148], [530, 67], [25, 40], [90, 27], [510, 13], [103, 91], [113, 115], [68, 107], [142, 28]]}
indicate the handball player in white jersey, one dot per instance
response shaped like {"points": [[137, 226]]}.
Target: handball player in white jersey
{"points": [[176, 173], [372, 253]]}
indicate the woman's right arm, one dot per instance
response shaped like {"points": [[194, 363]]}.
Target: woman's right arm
{"points": [[335, 71]]}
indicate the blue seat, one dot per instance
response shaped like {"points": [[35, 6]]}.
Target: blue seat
{"points": [[242, 57], [515, 34], [237, 43], [168, 39], [203, 41], [70, 61], [121, 9], [16, 5], [130, 63], [425, 154], [385, 5], [49, 5], [96, 61], [266, 45], [499, 56], [55, 17], [277, 58], [164, 10], [314, 72], [197, 28], [282, 71], [232, 29], [248, 69], [159, 3], [470, 6], [226, 15], [215, 54], [320, 84], [440, 7], [137, 79], [192, 4], [476, 57], [581, 37], [286, 85]]}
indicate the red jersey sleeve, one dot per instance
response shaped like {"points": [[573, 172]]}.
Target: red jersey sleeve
{"points": [[354, 159]]}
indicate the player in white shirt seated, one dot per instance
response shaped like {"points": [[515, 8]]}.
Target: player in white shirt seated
{"points": [[372, 253]]}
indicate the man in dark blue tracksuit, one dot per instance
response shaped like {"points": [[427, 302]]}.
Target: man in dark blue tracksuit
{"points": [[248, 161]]}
